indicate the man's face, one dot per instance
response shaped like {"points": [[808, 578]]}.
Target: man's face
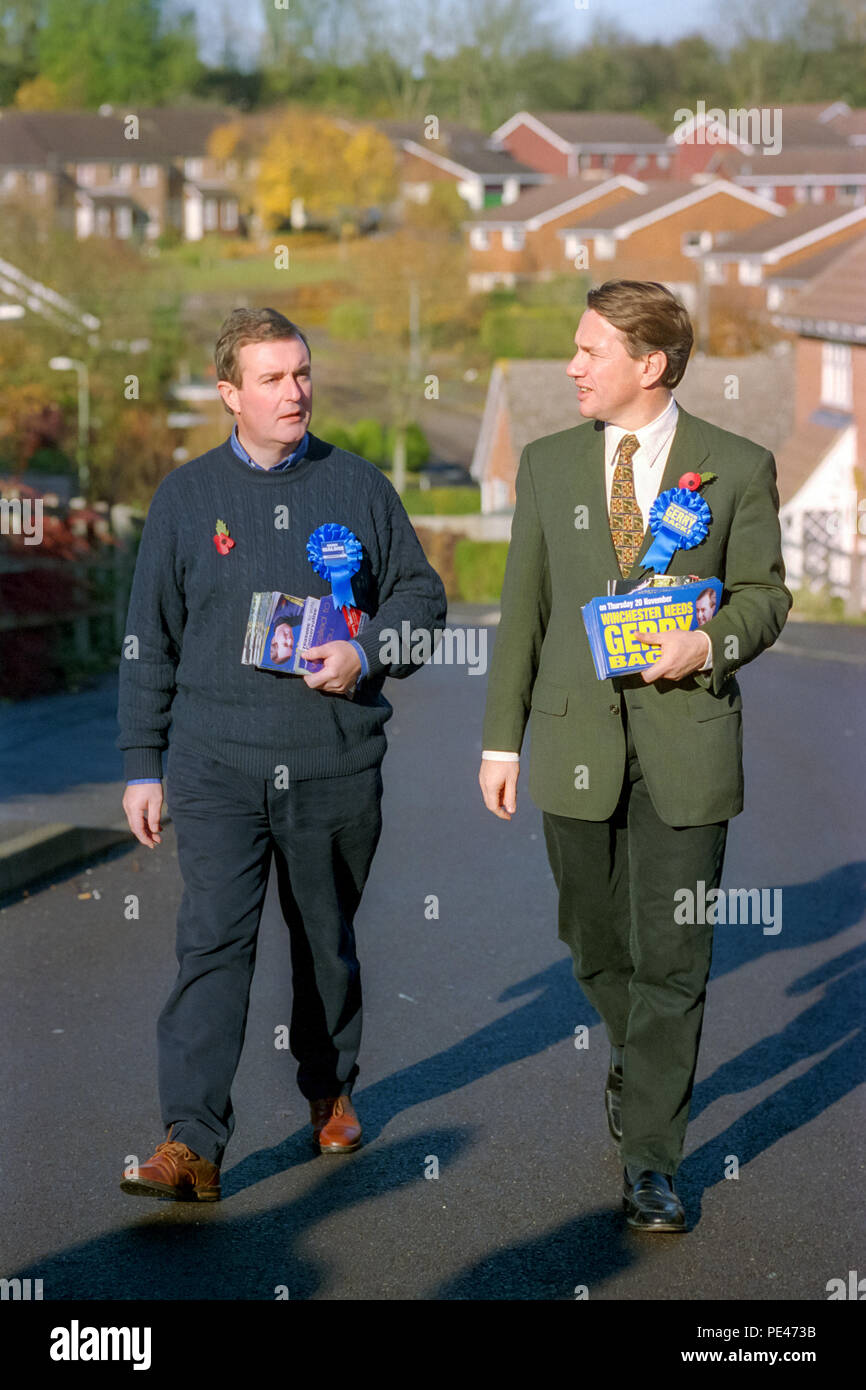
{"points": [[274, 401], [282, 643], [705, 608], [608, 381]]}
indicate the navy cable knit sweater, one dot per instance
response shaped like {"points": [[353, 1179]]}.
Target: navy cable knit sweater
{"points": [[189, 607]]}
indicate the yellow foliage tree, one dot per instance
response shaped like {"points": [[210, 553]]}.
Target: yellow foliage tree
{"points": [[337, 173], [40, 94]]}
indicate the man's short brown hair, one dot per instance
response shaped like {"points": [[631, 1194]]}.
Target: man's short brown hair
{"points": [[249, 326], [651, 318]]}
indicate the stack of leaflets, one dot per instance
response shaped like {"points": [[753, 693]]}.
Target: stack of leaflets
{"points": [[658, 603], [281, 626]]}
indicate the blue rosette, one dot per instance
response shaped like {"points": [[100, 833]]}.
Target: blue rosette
{"points": [[679, 520], [335, 553]]}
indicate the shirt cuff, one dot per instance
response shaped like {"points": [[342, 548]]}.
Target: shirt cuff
{"points": [[708, 660], [501, 757], [142, 781], [365, 665]]}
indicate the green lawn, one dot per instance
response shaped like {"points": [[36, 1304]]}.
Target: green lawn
{"points": [[204, 268]]}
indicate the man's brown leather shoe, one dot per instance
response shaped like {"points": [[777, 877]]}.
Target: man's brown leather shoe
{"points": [[175, 1171], [336, 1127]]}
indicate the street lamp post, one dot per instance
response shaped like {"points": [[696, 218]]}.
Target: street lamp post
{"points": [[68, 364]]}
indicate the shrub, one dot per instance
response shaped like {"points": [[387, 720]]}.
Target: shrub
{"points": [[480, 569]]}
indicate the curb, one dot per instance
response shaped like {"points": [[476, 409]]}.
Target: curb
{"points": [[48, 848]]}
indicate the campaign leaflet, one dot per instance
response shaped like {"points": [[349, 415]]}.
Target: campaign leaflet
{"points": [[612, 623], [281, 626]]}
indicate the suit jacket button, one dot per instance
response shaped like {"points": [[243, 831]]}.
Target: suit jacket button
{"points": [[614, 709]]}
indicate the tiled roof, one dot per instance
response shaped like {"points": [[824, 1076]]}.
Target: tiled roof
{"points": [[42, 138], [802, 271], [834, 305], [658, 195], [547, 196], [462, 144], [777, 231], [602, 127], [804, 160], [800, 455]]}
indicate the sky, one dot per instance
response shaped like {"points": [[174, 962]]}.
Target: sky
{"points": [[645, 19]]}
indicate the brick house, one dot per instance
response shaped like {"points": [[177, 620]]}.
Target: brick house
{"points": [[755, 268], [829, 173], [596, 143], [484, 174], [822, 466], [100, 174], [661, 232], [520, 241]]}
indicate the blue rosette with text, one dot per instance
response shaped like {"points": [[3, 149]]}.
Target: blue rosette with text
{"points": [[679, 520], [335, 553]]}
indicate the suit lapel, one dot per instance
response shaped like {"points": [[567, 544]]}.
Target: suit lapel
{"points": [[592, 484]]}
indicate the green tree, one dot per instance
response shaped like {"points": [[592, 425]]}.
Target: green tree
{"points": [[116, 50]]}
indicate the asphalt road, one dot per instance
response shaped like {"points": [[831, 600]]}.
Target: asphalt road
{"points": [[469, 1056]]}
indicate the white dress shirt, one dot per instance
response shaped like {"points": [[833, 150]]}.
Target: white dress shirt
{"points": [[648, 466]]}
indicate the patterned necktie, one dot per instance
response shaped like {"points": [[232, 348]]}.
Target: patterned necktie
{"points": [[626, 522]]}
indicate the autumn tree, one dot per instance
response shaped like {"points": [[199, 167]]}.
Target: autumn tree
{"points": [[338, 171]]}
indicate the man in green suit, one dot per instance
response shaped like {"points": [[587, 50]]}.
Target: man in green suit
{"points": [[636, 776]]}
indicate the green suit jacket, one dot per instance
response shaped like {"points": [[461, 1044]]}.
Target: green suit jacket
{"points": [[688, 733]]}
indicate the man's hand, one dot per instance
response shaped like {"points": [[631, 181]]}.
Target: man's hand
{"points": [[498, 781], [142, 805], [681, 654], [341, 668]]}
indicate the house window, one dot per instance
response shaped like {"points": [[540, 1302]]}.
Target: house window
{"points": [[103, 221], [693, 243], [512, 238], [85, 174], [640, 161], [750, 272], [9, 179], [37, 181], [663, 161], [211, 214], [715, 272], [605, 248], [193, 168], [148, 175], [120, 173], [836, 375], [479, 239], [229, 216], [123, 221]]}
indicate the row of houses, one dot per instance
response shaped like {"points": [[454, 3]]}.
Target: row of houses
{"points": [[139, 173], [716, 236]]}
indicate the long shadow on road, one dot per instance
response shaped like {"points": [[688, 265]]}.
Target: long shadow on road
{"points": [[182, 1250]]}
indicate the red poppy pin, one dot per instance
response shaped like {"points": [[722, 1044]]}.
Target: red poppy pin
{"points": [[692, 481], [222, 540]]}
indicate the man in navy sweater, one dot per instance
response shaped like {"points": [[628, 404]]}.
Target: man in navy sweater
{"points": [[260, 764]]}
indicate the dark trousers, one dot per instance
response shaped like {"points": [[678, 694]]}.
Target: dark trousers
{"points": [[641, 971], [324, 835]]}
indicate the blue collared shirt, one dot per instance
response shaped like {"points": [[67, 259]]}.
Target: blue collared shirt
{"points": [[278, 467]]}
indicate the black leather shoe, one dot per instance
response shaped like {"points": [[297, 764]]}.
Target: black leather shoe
{"points": [[613, 1101], [651, 1203]]}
